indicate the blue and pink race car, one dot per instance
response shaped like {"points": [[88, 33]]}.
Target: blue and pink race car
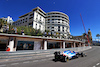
{"points": [[67, 55]]}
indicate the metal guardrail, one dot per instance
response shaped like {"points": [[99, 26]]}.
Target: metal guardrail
{"points": [[26, 53]]}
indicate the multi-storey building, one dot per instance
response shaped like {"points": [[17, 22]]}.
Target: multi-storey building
{"points": [[87, 38], [58, 22], [35, 19], [6, 21], [9, 20]]}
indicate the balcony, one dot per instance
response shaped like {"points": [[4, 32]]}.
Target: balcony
{"points": [[58, 15]]}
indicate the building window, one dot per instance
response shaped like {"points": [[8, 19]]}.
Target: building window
{"points": [[39, 26], [52, 30], [48, 22], [58, 16], [58, 22], [52, 22], [36, 26], [52, 19], [58, 29], [48, 27], [58, 26], [62, 17], [36, 19], [48, 19], [52, 27], [48, 16], [30, 17], [58, 19]]}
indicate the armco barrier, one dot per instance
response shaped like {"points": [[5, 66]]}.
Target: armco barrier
{"points": [[36, 52]]}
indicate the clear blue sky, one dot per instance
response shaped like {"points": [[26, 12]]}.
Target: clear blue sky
{"points": [[89, 9]]}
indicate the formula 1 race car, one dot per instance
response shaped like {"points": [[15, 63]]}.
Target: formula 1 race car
{"points": [[67, 55]]}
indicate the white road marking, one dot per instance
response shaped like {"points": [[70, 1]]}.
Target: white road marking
{"points": [[6, 60], [97, 64], [50, 58], [29, 57], [49, 55], [2, 65], [26, 62], [14, 63], [43, 59], [94, 66], [35, 60]]}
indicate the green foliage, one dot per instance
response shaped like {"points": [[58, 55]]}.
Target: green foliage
{"points": [[29, 31], [2, 22], [97, 35], [32, 31], [11, 30], [19, 30]]}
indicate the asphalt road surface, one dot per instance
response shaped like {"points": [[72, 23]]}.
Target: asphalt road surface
{"points": [[92, 60]]}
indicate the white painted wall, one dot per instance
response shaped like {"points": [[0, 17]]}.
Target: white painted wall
{"points": [[11, 45], [45, 45]]}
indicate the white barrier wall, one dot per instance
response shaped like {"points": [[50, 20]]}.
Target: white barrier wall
{"points": [[11, 45], [63, 45], [45, 45]]}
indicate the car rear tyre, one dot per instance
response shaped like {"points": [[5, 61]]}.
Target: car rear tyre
{"points": [[64, 59]]}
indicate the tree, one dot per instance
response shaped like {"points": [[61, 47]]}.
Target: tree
{"points": [[1, 23], [39, 32], [84, 34], [32, 31], [27, 31], [98, 36], [11, 30]]}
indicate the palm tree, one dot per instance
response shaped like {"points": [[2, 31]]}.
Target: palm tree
{"points": [[98, 36], [1, 23]]}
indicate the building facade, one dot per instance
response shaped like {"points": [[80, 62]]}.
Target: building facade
{"points": [[84, 38], [55, 22], [35, 19], [9, 20], [13, 42], [4, 25], [58, 22]]}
